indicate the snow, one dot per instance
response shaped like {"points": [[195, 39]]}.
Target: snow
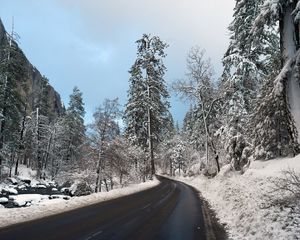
{"points": [[23, 199], [46, 207], [239, 201]]}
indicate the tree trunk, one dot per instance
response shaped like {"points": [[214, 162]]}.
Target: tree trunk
{"points": [[111, 183], [106, 186], [150, 137], [171, 170], [289, 44], [98, 184]]}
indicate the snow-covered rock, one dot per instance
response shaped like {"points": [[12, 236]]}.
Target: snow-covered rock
{"points": [[24, 179], [65, 190], [22, 187], [3, 200], [40, 186], [10, 190], [56, 196], [13, 180], [80, 189], [27, 199]]}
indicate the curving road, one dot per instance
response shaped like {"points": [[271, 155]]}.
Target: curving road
{"points": [[172, 210]]}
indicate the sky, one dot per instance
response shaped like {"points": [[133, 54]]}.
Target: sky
{"points": [[91, 43]]}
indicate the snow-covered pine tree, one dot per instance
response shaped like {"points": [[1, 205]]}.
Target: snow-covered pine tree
{"points": [[188, 122], [245, 65], [177, 157], [277, 116], [74, 121], [147, 111], [135, 116]]}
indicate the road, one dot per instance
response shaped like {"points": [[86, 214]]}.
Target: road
{"points": [[172, 210]]}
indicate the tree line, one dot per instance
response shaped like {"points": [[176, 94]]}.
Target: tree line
{"points": [[247, 113]]}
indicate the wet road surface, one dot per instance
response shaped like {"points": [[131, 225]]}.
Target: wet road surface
{"points": [[171, 210]]}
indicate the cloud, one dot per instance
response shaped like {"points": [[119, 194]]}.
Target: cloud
{"points": [[91, 43]]}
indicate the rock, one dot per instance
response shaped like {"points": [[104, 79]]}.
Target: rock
{"points": [[81, 189], [25, 180], [10, 190], [66, 184], [12, 180], [59, 197], [52, 184], [1, 206], [3, 200], [54, 189], [20, 203], [33, 84], [65, 190], [22, 187], [40, 186]]}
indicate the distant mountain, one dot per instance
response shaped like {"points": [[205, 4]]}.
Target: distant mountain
{"points": [[31, 87]]}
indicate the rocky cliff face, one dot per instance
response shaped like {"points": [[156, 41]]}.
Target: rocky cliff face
{"points": [[32, 87]]}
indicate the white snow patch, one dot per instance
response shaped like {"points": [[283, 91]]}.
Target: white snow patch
{"points": [[55, 206], [238, 201]]}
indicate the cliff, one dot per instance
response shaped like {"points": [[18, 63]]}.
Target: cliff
{"points": [[33, 86]]}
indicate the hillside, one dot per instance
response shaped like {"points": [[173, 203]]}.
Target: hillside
{"points": [[31, 87]]}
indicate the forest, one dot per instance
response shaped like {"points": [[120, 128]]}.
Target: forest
{"points": [[251, 112], [239, 142]]}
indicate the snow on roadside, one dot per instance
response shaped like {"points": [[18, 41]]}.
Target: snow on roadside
{"points": [[44, 208], [27, 199], [239, 199]]}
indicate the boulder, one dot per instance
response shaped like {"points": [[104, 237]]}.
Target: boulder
{"points": [[12, 180], [3, 200], [10, 190], [80, 189], [25, 180], [66, 184]]}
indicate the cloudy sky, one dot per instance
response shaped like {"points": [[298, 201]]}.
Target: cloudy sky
{"points": [[91, 43]]}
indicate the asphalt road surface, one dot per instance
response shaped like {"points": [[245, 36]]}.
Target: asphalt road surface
{"points": [[170, 211]]}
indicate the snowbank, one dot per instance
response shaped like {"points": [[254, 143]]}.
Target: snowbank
{"points": [[240, 201], [55, 206]]}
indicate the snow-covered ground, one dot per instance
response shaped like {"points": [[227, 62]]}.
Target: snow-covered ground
{"points": [[45, 207], [240, 201]]}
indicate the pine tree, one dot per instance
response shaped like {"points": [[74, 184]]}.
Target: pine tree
{"points": [[74, 121], [146, 112], [277, 134], [246, 63]]}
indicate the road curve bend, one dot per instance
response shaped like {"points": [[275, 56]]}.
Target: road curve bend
{"points": [[170, 211]]}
